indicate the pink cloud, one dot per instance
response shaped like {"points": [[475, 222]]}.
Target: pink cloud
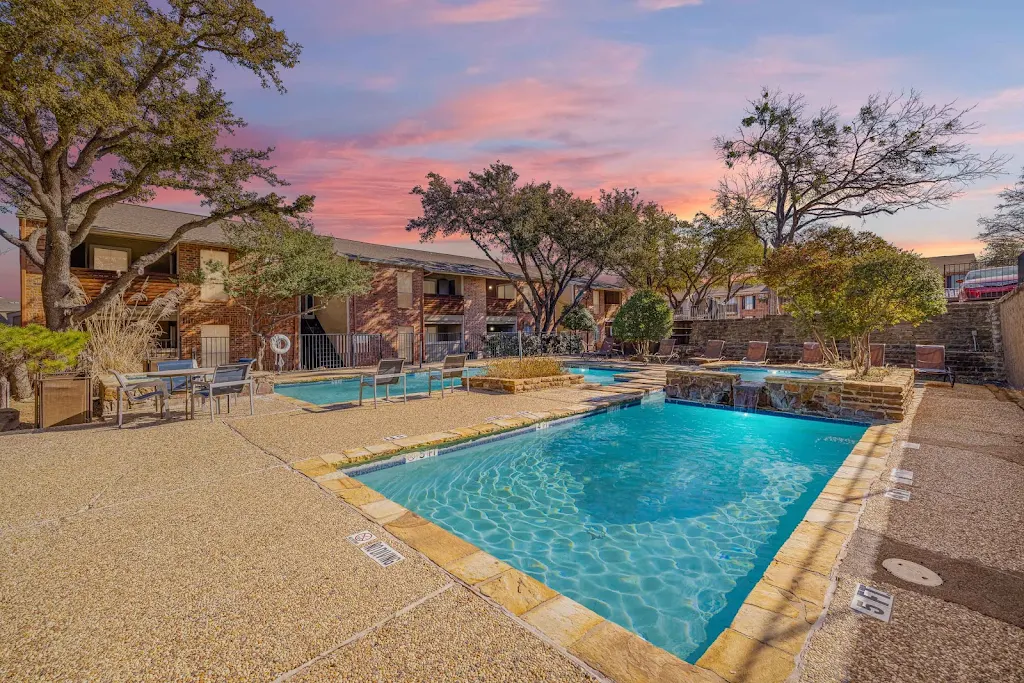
{"points": [[658, 5], [485, 11]]}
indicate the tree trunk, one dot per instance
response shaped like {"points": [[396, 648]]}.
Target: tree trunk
{"points": [[21, 384], [829, 351], [5, 393], [57, 278], [261, 348], [860, 354]]}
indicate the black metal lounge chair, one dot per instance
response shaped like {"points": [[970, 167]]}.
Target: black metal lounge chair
{"points": [[930, 361]]}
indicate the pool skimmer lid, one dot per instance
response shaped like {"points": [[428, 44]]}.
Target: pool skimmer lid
{"points": [[912, 572]]}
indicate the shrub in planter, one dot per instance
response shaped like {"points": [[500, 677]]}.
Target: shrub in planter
{"points": [[645, 318]]}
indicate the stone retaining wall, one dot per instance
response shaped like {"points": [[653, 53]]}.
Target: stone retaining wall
{"points": [[832, 395], [971, 332], [518, 386]]}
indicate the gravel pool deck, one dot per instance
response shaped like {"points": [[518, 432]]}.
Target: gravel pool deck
{"points": [[965, 522], [197, 551], [190, 550]]}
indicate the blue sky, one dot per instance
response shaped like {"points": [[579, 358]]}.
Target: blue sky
{"points": [[602, 93]]}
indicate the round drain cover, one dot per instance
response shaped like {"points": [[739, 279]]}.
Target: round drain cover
{"points": [[911, 572]]}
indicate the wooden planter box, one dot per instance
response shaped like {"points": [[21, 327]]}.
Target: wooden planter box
{"points": [[518, 386], [63, 400]]}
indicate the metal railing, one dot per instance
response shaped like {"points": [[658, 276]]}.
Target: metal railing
{"points": [[707, 309], [354, 350], [437, 345], [212, 351]]}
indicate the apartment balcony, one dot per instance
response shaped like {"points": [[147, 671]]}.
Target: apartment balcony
{"points": [[502, 307], [142, 291], [443, 304], [606, 312]]}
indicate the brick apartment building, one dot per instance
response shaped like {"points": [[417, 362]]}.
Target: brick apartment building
{"points": [[418, 301]]}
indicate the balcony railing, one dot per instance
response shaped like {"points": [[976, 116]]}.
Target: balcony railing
{"points": [[143, 290], [443, 304], [502, 307]]}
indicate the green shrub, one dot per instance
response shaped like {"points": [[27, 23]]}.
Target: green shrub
{"points": [[645, 318], [559, 344], [579, 319]]}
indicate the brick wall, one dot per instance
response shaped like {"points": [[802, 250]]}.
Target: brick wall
{"points": [[195, 313], [474, 289], [981, 363], [1011, 313], [377, 311]]}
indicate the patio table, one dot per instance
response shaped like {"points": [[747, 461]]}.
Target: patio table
{"points": [[189, 374]]}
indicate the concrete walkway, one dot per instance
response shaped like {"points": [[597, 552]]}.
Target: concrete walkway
{"points": [[965, 522], [187, 551]]}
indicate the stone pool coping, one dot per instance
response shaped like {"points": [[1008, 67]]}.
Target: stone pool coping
{"points": [[763, 643]]}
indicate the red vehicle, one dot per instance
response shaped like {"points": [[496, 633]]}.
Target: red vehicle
{"points": [[988, 283]]}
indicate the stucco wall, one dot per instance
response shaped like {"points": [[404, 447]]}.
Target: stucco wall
{"points": [[1011, 313]]}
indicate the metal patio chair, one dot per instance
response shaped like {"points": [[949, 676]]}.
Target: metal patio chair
{"points": [[666, 351], [454, 368], [757, 353], [388, 373], [713, 351], [228, 380], [139, 391]]}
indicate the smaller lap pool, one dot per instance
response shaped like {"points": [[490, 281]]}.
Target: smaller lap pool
{"points": [[342, 390], [758, 373], [597, 375]]}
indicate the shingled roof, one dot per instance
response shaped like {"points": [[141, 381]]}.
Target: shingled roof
{"points": [[152, 223]]}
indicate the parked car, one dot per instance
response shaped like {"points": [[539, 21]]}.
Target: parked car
{"points": [[988, 283]]}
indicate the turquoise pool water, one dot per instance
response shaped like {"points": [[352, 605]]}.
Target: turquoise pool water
{"points": [[757, 373], [596, 375], [339, 390], [660, 517]]}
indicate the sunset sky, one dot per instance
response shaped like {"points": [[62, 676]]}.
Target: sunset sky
{"points": [[599, 94]]}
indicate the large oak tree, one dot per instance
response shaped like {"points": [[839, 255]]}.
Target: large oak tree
{"points": [[544, 239], [794, 168], [106, 101]]}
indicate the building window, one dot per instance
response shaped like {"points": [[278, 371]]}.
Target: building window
{"points": [[749, 302], [506, 291], [404, 283], [612, 298], [429, 286], [213, 279], [115, 259]]}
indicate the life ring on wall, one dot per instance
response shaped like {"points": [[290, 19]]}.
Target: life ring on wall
{"points": [[280, 344]]}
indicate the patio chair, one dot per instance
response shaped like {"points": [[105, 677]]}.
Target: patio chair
{"points": [[130, 389], [454, 368], [388, 372], [812, 354], [666, 351], [176, 384], [714, 351], [876, 355], [607, 350], [757, 353], [228, 380], [930, 360]]}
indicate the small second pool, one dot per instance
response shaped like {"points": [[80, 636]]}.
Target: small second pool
{"points": [[758, 373], [342, 390], [597, 375]]}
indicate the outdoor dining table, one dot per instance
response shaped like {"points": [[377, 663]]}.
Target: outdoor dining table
{"points": [[189, 374]]}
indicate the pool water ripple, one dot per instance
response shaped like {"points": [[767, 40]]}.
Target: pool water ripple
{"points": [[655, 517]]}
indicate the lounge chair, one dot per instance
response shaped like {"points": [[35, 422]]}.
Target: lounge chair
{"points": [[757, 353], [607, 350], [876, 355], [812, 354], [388, 372], [454, 368], [228, 380], [666, 351], [150, 389], [930, 360], [714, 351]]}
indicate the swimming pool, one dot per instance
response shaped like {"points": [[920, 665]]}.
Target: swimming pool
{"points": [[659, 517], [758, 373], [596, 375], [339, 390]]}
